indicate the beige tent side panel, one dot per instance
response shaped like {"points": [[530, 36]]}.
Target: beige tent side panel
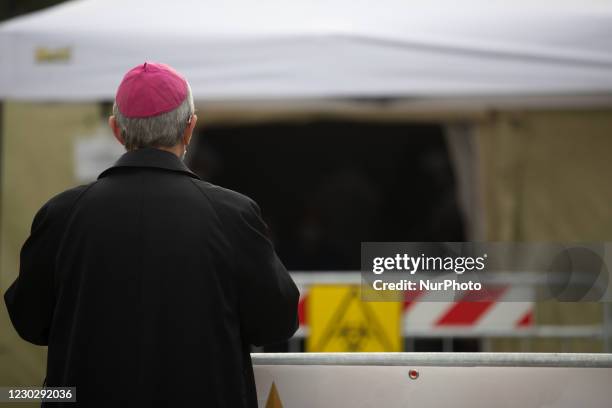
{"points": [[547, 177], [37, 163]]}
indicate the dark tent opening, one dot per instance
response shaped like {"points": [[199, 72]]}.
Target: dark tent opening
{"points": [[325, 187]]}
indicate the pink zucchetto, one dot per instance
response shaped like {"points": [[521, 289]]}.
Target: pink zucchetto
{"points": [[150, 89]]}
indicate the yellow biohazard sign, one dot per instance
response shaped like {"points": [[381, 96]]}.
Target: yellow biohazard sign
{"points": [[339, 320]]}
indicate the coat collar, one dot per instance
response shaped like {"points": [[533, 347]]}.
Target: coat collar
{"points": [[150, 157]]}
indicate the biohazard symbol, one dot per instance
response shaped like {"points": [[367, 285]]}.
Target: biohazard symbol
{"points": [[350, 324]]}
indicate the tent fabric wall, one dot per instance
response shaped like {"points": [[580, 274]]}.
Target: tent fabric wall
{"points": [[546, 178], [462, 143], [37, 163], [547, 175]]}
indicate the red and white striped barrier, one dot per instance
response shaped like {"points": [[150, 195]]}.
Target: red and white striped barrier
{"points": [[497, 312]]}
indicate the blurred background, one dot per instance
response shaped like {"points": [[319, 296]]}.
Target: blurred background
{"points": [[347, 123]]}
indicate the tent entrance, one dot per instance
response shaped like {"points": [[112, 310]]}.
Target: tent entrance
{"points": [[326, 186]]}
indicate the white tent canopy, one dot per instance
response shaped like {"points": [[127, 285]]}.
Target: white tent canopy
{"points": [[278, 49]]}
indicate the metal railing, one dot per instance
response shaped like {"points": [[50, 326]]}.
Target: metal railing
{"points": [[594, 360]]}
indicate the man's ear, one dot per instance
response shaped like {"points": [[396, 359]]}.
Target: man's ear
{"points": [[112, 122], [189, 130]]}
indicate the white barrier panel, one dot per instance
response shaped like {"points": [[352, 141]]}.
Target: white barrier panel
{"points": [[307, 380]]}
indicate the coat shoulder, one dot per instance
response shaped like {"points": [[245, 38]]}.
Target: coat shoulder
{"points": [[65, 200], [225, 199], [55, 211]]}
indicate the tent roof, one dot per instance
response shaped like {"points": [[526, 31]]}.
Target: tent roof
{"points": [[245, 50]]}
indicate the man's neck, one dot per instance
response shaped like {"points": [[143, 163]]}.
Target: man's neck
{"points": [[177, 150]]}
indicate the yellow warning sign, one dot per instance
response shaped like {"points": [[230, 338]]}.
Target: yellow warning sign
{"points": [[274, 400], [339, 320]]}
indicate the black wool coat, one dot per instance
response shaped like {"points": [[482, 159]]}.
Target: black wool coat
{"points": [[149, 285]]}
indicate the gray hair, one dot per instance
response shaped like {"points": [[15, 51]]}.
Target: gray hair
{"points": [[165, 130]]}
